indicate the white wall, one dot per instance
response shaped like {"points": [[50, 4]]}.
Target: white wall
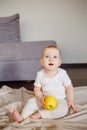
{"points": [[64, 21]]}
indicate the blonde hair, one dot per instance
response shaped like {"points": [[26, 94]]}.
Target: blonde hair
{"points": [[51, 46]]}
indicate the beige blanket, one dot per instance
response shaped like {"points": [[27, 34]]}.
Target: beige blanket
{"points": [[10, 98]]}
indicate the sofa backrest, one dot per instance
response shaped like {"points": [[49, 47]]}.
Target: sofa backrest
{"points": [[21, 60], [10, 28]]}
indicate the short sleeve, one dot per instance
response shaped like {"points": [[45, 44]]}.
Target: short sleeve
{"points": [[66, 79], [37, 82]]}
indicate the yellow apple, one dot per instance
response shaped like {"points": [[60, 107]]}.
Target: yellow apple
{"points": [[50, 102]]}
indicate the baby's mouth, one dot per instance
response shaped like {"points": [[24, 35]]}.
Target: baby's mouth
{"points": [[51, 64]]}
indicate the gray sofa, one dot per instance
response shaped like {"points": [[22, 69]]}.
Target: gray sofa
{"points": [[19, 61]]}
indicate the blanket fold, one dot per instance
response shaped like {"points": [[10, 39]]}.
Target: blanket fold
{"points": [[18, 97]]}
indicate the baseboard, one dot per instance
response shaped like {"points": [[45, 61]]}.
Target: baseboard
{"points": [[74, 65]]}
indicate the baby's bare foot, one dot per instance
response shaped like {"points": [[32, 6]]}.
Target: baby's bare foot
{"points": [[16, 116], [35, 115]]}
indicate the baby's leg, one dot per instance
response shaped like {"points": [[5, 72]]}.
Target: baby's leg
{"points": [[16, 116], [59, 112], [31, 107]]}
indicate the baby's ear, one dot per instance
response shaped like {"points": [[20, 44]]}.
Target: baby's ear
{"points": [[41, 62], [60, 62]]}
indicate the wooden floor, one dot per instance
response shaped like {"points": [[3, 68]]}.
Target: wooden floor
{"points": [[78, 76], [18, 84]]}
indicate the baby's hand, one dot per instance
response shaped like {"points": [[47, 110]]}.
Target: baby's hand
{"points": [[73, 106], [42, 101]]}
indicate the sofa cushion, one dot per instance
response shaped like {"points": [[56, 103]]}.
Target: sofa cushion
{"points": [[9, 28]]}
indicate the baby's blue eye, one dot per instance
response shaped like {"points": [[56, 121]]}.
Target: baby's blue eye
{"points": [[46, 56], [55, 56]]}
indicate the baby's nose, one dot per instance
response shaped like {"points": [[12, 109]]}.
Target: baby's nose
{"points": [[51, 59]]}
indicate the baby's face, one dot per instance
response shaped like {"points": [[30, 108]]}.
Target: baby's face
{"points": [[51, 58]]}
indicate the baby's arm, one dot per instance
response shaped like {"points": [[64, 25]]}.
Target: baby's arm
{"points": [[70, 96], [39, 95]]}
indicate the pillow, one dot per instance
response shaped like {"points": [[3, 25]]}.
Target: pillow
{"points": [[9, 28]]}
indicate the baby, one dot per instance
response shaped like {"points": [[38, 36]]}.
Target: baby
{"points": [[51, 80]]}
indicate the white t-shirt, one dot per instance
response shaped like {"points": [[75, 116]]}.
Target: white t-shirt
{"points": [[55, 85]]}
